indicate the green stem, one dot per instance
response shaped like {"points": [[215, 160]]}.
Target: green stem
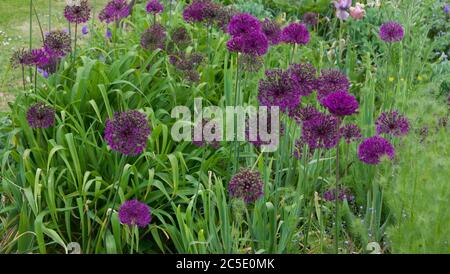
{"points": [[236, 98], [336, 199]]}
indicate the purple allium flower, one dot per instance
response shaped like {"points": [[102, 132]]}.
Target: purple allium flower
{"points": [[254, 43], [78, 14], [278, 89], [304, 114], [329, 81], [127, 132], [57, 43], [372, 149], [154, 37], [201, 11], [21, 57], [181, 37], [85, 30], [304, 76], [133, 212], [342, 7], [193, 76], [392, 123], [311, 19], [224, 16], [243, 24], [446, 8], [321, 131], [246, 185], [340, 103], [40, 58], [295, 33], [155, 7], [251, 63], [391, 32], [344, 194], [272, 30], [40, 115], [114, 11], [350, 133]]}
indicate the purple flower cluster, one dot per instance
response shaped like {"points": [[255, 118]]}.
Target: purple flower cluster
{"points": [[254, 43], [154, 7], [78, 14], [340, 103], [302, 114], [133, 212], [246, 185], [188, 64], [391, 32], [373, 149], [57, 43], [344, 194], [127, 132], [392, 123], [295, 33], [321, 131], [304, 76], [243, 24], [201, 11], [331, 80], [272, 30], [351, 133], [180, 37], [311, 19], [40, 115], [279, 89], [154, 37], [114, 11]]}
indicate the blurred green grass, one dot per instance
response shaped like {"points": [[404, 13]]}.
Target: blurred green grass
{"points": [[15, 34]]}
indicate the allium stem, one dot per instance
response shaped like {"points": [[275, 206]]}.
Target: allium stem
{"points": [[39, 23], [23, 77], [236, 98], [75, 42], [336, 195], [35, 79], [49, 15]]}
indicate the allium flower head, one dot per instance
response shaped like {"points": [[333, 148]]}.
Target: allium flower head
{"points": [[40, 57], [392, 123], [344, 194], [154, 7], [272, 30], [373, 149], [224, 15], [311, 19], [321, 131], [57, 43], [251, 63], [278, 89], [243, 24], [295, 33], [340, 103], [247, 185], [114, 11], [154, 37], [391, 32], [133, 212], [127, 132], [201, 11], [304, 114], [331, 80], [21, 57], [78, 14], [40, 115], [304, 76], [254, 43], [181, 37], [351, 133]]}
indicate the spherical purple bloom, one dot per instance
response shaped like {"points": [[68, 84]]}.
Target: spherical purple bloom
{"points": [[127, 132], [78, 14], [201, 11], [247, 185], [344, 194], [392, 123], [155, 7], [21, 57], [304, 114], [371, 150], [350, 133], [133, 212], [181, 37], [304, 76], [295, 33], [85, 30], [329, 81], [321, 131], [243, 24], [40, 115], [278, 89], [114, 11], [340, 103], [57, 43], [254, 43], [311, 19], [154, 37], [391, 32], [40, 58], [272, 30]]}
